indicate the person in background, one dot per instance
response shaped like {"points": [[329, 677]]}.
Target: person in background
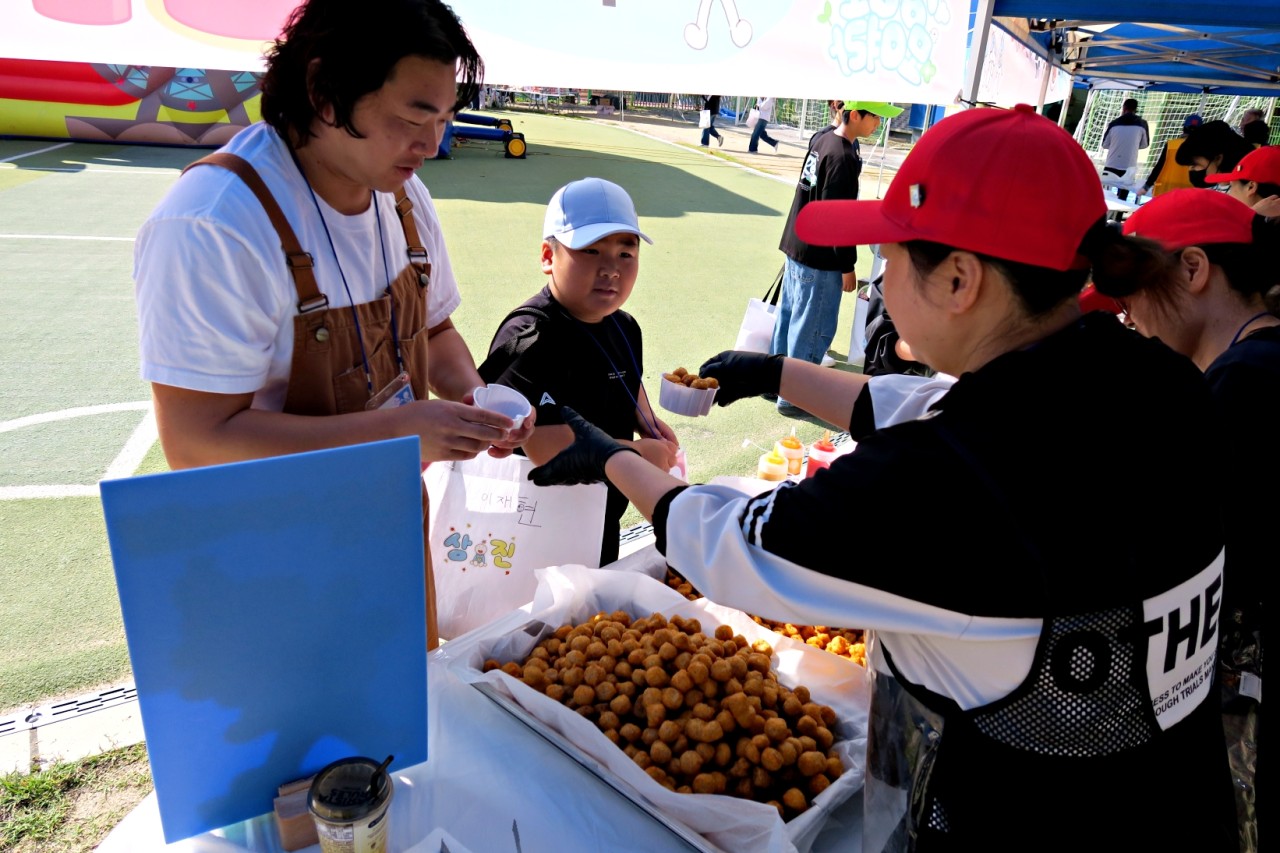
{"points": [[764, 108], [572, 344], [1124, 137], [1255, 180], [1034, 688], [1168, 173], [254, 352], [711, 103], [815, 276], [1211, 148], [1254, 128], [1217, 311]]}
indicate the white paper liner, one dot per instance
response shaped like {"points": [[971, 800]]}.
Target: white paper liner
{"points": [[683, 400], [574, 594]]}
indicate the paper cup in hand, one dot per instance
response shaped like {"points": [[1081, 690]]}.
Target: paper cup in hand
{"points": [[683, 400], [504, 400]]}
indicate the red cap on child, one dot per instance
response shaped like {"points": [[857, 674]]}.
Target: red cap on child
{"points": [[1005, 183], [1192, 217]]}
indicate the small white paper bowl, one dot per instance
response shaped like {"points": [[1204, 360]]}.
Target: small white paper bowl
{"points": [[503, 400], [683, 400]]}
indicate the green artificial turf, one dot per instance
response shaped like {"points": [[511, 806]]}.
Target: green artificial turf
{"points": [[68, 336]]}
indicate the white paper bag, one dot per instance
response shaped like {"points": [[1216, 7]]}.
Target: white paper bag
{"points": [[753, 117], [704, 118], [490, 528], [756, 332]]}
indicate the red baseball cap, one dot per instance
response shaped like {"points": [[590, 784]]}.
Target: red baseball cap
{"points": [[1192, 217], [1010, 184], [1260, 164]]}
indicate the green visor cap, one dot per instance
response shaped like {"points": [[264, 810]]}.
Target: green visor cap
{"points": [[879, 108]]}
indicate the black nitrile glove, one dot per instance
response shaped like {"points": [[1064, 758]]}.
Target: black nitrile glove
{"points": [[743, 374], [583, 461]]}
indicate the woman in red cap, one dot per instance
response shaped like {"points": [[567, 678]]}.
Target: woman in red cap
{"points": [[1217, 311], [1039, 683]]}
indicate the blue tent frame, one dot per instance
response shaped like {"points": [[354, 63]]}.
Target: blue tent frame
{"points": [[1225, 47]]}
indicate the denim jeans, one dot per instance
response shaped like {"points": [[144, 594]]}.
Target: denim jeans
{"points": [[708, 132], [808, 312], [759, 134]]}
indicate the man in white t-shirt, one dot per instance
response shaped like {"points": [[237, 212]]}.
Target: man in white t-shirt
{"points": [[1124, 136], [252, 351]]}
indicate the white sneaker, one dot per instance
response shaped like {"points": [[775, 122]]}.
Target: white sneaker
{"points": [[828, 361], [720, 141]]}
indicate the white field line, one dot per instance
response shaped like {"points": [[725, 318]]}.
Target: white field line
{"points": [[125, 463], [135, 449], [62, 237], [33, 153]]}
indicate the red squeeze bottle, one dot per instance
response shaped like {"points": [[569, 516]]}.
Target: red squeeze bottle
{"points": [[821, 452]]}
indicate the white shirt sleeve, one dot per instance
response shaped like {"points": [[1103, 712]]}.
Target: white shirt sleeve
{"points": [[208, 325], [897, 398], [443, 297]]}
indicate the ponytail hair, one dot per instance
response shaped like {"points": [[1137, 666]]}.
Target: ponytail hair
{"points": [[1123, 266]]}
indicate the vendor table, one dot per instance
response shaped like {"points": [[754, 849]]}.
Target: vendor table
{"points": [[493, 785]]}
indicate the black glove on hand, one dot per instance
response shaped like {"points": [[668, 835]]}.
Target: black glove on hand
{"points": [[743, 374], [583, 461]]}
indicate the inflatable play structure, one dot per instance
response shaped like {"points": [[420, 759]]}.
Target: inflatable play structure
{"points": [[150, 105], [135, 104], [487, 128]]}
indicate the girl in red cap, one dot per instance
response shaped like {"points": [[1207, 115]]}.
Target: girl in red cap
{"points": [[1039, 683], [1217, 310]]}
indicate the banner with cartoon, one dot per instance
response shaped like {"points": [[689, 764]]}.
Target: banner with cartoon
{"points": [[908, 51], [490, 528]]}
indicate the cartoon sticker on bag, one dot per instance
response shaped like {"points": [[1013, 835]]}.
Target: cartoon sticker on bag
{"points": [[461, 548]]}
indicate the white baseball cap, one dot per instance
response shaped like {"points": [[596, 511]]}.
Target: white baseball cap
{"points": [[582, 212]]}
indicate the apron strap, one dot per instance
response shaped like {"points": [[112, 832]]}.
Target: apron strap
{"points": [[300, 263], [416, 251]]}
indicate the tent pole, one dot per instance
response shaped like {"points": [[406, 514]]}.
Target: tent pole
{"points": [[1044, 86], [977, 51], [884, 153]]}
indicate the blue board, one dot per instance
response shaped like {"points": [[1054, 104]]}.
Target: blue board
{"points": [[275, 614]]}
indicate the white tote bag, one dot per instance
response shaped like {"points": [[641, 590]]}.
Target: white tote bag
{"points": [[490, 528], [704, 118], [753, 117], [756, 332]]}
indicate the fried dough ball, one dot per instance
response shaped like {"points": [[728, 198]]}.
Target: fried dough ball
{"points": [[698, 713]]}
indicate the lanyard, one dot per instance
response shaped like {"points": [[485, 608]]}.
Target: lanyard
{"points": [[652, 427], [351, 302], [1240, 331]]}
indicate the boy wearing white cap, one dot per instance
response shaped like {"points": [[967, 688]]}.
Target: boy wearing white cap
{"points": [[572, 344]]}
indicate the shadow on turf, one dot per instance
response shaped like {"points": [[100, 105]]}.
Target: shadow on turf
{"points": [[482, 173]]}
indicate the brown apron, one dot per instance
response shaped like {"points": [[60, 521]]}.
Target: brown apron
{"points": [[326, 376]]}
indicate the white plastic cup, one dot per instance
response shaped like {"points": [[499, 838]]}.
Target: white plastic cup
{"points": [[504, 401]]}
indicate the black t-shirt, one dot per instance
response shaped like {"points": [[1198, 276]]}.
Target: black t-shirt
{"points": [[1245, 383], [555, 360], [830, 171]]}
